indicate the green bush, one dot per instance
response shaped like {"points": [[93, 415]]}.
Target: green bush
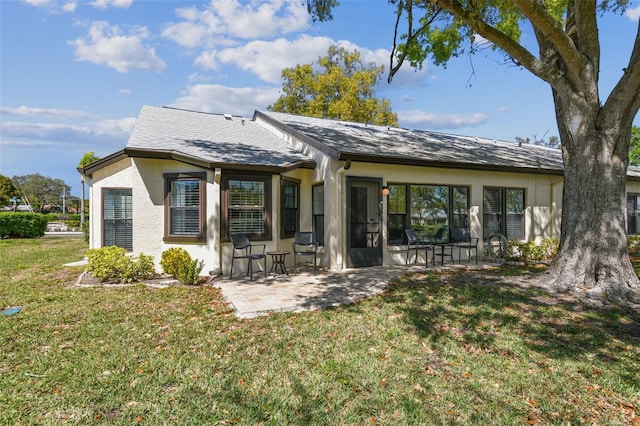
{"points": [[177, 262], [112, 263], [172, 259], [22, 225], [85, 231], [189, 273], [526, 251], [633, 244]]}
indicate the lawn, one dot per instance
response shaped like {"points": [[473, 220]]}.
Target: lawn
{"points": [[447, 348]]}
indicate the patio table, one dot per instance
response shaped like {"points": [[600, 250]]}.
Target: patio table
{"points": [[442, 254], [277, 260]]}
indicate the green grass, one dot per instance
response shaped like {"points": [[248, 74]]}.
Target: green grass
{"points": [[450, 348]]}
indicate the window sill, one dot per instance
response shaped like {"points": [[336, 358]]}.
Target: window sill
{"points": [[184, 240]]}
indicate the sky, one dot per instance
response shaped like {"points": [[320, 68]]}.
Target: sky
{"points": [[75, 74]]}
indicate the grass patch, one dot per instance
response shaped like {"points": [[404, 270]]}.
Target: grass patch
{"points": [[449, 348]]}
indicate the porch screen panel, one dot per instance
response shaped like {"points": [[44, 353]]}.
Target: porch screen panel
{"points": [[318, 212], [184, 210], [397, 214], [246, 207], [633, 214], [491, 211], [117, 218], [429, 209], [290, 210], [460, 207], [515, 213]]}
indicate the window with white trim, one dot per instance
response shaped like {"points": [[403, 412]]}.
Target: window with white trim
{"points": [[503, 212]]}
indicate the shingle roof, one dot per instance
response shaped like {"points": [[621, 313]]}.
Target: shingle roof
{"points": [[366, 142], [221, 140]]}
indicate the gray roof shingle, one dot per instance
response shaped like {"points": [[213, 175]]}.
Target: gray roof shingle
{"points": [[383, 144], [214, 138]]}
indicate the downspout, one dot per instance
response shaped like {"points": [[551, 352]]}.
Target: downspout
{"points": [[339, 174], [554, 207]]}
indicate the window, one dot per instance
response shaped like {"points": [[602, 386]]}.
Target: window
{"points": [[184, 206], [247, 204], [499, 203], [633, 214], [429, 209], [318, 212], [289, 211], [117, 225]]}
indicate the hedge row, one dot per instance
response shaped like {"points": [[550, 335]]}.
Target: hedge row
{"points": [[22, 225]]}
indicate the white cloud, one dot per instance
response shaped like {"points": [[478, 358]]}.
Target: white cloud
{"points": [[633, 14], [431, 120], [267, 59], [103, 4], [229, 100], [125, 92], [106, 44], [69, 7], [222, 20], [44, 112], [28, 133]]}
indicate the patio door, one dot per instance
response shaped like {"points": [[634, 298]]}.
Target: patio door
{"points": [[364, 216]]}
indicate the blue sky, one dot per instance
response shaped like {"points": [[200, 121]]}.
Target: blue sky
{"points": [[75, 74]]}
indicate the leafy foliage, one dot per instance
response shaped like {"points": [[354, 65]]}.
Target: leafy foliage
{"points": [[177, 262], [7, 191], [526, 251], [634, 150], [172, 258], [22, 225], [112, 263], [343, 89], [189, 273], [41, 190]]}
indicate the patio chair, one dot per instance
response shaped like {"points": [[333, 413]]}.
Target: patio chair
{"points": [[461, 238], [244, 249], [416, 243], [305, 244]]}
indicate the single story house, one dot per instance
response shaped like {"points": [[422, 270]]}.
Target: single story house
{"points": [[191, 179]]}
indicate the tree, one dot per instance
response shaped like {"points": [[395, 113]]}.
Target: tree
{"points": [[634, 150], [7, 191], [41, 191], [552, 142], [343, 90], [88, 158], [595, 134]]}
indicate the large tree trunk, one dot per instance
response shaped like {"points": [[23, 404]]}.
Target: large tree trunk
{"points": [[593, 258]]}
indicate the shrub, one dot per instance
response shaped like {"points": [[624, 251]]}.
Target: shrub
{"points": [[172, 259], [85, 231], [177, 262], [22, 225], [189, 273], [526, 251], [112, 263], [633, 244]]}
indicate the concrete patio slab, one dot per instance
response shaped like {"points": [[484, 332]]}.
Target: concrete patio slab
{"points": [[306, 290]]}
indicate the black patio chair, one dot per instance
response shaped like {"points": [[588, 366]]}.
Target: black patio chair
{"points": [[416, 243], [461, 238], [305, 244], [244, 249]]}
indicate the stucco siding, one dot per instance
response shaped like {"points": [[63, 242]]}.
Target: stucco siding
{"points": [[117, 175]]}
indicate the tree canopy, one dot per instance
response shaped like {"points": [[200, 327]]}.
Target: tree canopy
{"points": [[338, 85], [595, 130], [7, 191], [41, 191], [634, 150]]}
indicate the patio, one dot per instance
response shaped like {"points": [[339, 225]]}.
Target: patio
{"points": [[307, 291]]}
